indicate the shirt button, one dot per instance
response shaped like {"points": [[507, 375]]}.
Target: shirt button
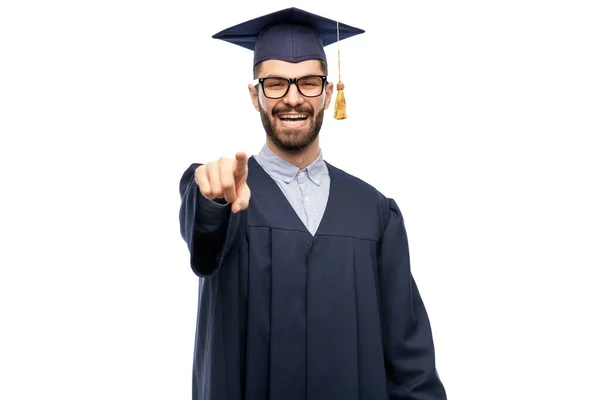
{"points": [[301, 174], [307, 199]]}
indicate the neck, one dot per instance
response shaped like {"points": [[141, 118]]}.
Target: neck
{"points": [[300, 159]]}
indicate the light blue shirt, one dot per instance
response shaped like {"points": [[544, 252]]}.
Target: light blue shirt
{"points": [[307, 190]]}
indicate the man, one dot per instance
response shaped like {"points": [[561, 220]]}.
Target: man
{"points": [[306, 290]]}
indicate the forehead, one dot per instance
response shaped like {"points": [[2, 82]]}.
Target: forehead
{"points": [[290, 70]]}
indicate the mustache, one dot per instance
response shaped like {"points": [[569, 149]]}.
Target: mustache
{"points": [[298, 109]]}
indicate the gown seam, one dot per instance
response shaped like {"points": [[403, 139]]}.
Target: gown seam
{"points": [[280, 229], [357, 320], [227, 387], [314, 236]]}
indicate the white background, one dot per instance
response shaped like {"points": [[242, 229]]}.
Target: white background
{"points": [[480, 118]]}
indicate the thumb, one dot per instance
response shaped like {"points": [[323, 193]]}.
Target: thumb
{"points": [[243, 199]]}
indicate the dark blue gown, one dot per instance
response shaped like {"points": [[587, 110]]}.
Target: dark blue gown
{"points": [[284, 315]]}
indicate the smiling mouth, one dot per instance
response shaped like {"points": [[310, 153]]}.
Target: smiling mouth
{"points": [[292, 119]]}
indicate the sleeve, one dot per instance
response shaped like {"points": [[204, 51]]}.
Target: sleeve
{"points": [[406, 331], [210, 229]]}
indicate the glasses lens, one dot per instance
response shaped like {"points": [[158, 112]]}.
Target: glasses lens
{"points": [[310, 86], [275, 87]]}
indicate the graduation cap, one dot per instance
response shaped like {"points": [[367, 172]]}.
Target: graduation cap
{"points": [[292, 35]]}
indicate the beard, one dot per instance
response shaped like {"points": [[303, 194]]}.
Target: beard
{"points": [[292, 140]]}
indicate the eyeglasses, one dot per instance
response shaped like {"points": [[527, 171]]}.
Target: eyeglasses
{"points": [[309, 86]]}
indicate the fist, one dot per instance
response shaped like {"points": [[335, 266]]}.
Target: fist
{"points": [[225, 179]]}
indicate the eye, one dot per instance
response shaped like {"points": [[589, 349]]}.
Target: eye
{"points": [[275, 83], [310, 82]]}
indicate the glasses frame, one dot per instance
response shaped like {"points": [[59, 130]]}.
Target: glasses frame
{"points": [[294, 81]]}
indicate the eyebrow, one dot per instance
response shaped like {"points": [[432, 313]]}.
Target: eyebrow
{"points": [[300, 76]]}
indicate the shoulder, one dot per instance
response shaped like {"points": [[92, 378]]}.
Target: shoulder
{"points": [[365, 195], [355, 185]]}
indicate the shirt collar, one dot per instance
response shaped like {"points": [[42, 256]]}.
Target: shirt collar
{"points": [[280, 169]]}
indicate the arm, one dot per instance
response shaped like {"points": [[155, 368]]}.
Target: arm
{"points": [[407, 337], [208, 228]]}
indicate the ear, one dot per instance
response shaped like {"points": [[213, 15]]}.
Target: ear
{"points": [[254, 96], [328, 94]]}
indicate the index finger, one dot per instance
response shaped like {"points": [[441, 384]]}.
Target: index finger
{"points": [[240, 166]]}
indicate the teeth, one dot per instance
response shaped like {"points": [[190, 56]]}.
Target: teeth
{"points": [[293, 116], [295, 122]]}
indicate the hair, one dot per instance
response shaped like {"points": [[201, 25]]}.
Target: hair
{"points": [[257, 68]]}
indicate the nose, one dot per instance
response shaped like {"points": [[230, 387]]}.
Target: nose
{"points": [[293, 96]]}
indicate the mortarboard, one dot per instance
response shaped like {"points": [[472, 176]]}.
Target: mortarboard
{"points": [[292, 35]]}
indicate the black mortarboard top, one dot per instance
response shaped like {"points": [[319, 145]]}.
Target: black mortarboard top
{"points": [[291, 35]]}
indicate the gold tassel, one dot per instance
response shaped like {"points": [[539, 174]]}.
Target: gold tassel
{"points": [[339, 111], [340, 103]]}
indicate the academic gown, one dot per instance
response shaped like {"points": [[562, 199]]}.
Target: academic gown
{"points": [[284, 315]]}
